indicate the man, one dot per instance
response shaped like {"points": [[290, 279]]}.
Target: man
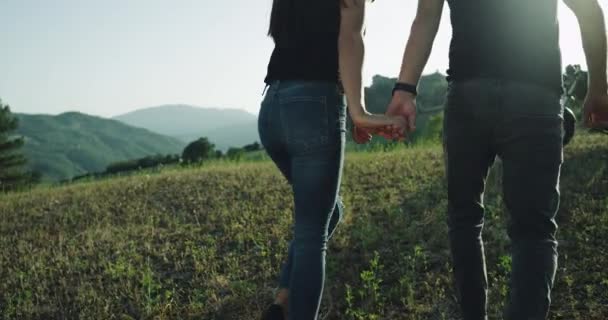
{"points": [[504, 100]]}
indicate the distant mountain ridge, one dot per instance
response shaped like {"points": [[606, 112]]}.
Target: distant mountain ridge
{"points": [[74, 143], [224, 127]]}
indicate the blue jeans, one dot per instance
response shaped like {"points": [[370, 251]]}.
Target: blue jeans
{"points": [[522, 125], [302, 126]]}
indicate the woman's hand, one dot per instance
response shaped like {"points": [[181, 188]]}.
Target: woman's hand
{"points": [[361, 136]]}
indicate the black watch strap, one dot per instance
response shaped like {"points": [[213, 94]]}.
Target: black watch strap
{"points": [[400, 86]]}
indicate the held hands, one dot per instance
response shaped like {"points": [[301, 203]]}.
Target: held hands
{"points": [[403, 106], [595, 111], [366, 124], [399, 120]]}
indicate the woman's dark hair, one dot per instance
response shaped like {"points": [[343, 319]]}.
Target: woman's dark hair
{"points": [[279, 17]]}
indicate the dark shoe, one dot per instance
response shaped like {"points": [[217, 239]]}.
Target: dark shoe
{"points": [[274, 312]]}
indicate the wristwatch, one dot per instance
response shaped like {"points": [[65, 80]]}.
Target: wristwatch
{"points": [[401, 86]]}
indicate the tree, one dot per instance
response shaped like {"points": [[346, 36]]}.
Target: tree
{"points": [[252, 147], [575, 85], [575, 82], [12, 161], [235, 153], [198, 151], [156, 161]]}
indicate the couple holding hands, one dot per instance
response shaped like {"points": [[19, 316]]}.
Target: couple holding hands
{"points": [[505, 84]]}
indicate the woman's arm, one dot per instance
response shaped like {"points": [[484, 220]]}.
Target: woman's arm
{"points": [[351, 54]]}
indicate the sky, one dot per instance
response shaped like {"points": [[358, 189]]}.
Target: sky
{"points": [[111, 57]]}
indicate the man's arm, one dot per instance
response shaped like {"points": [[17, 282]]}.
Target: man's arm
{"points": [[422, 35], [417, 52], [593, 31]]}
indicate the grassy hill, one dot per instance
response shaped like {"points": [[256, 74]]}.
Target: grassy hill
{"points": [[72, 143], [224, 127], [206, 243]]}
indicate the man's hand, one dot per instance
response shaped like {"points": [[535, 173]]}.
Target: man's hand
{"points": [[595, 111], [403, 104]]}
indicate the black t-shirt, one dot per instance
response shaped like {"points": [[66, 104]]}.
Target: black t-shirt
{"points": [[506, 39], [309, 49]]}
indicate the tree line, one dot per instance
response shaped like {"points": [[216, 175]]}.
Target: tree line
{"points": [[196, 152]]}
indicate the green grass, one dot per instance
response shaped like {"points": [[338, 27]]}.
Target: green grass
{"points": [[207, 242]]}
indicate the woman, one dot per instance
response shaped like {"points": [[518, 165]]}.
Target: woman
{"points": [[302, 126]]}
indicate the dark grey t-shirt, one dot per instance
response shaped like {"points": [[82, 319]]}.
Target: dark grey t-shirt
{"points": [[506, 39]]}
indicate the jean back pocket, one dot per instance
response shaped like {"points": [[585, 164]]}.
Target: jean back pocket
{"points": [[305, 121]]}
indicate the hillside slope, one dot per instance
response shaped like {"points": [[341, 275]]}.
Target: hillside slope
{"points": [[206, 243], [73, 143]]}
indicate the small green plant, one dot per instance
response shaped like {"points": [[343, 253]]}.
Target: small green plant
{"points": [[367, 302]]}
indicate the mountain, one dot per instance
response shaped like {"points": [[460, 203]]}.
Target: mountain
{"points": [[224, 127], [236, 135], [73, 143]]}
